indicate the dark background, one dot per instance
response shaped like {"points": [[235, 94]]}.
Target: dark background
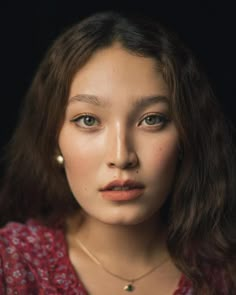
{"points": [[28, 28]]}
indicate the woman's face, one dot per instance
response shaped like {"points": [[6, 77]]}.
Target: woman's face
{"points": [[118, 127]]}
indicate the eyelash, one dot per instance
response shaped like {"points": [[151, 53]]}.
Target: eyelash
{"points": [[77, 119], [164, 120]]}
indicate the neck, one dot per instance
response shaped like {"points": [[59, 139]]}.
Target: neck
{"points": [[143, 243]]}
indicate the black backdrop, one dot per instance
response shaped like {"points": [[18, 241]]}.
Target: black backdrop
{"points": [[28, 28]]}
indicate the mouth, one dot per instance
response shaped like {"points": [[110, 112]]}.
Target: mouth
{"points": [[122, 190]]}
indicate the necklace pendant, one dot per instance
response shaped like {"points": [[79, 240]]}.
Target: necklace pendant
{"points": [[129, 288]]}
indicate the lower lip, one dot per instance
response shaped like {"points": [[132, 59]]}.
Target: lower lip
{"points": [[122, 195]]}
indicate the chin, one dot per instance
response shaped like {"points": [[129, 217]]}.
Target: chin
{"points": [[126, 219]]}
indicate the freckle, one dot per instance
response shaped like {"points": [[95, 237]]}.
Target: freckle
{"points": [[136, 171]]}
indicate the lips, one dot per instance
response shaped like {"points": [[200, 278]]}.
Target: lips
{"points": [[122, 190], [131, 184]]}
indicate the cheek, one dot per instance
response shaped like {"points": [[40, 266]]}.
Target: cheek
{"points": [[79, 168], [163, 157], [80, 155], [80, 164], [166, 154]]}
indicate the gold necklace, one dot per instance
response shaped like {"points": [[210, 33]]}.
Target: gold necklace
{"points": [[129, 287]]}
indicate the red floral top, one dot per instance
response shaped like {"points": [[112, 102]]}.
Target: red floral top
{"points": [[34, 261]]}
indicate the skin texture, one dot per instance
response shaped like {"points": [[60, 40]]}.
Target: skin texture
{"points": [[115, 129], [116, 141]]}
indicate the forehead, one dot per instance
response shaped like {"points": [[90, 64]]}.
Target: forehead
{"points": [[116, 71]]}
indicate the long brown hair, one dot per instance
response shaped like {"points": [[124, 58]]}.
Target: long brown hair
{"points": [[200, 212]]}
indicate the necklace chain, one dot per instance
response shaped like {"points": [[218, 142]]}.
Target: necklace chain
{"points": [[95, 260]]}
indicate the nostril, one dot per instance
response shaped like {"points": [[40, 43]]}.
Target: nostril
{"points": [[131, 164], [111, 164], [124, 164]]}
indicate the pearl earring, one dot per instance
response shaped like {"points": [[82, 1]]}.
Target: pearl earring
{"points": [[60, 159]]}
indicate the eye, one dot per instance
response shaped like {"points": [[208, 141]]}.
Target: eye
{"points": [[85, 121], [154, 120]]}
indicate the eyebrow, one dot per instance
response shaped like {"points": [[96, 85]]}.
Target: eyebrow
{"points": [[149, 100], [88, 98], [141, 102]]}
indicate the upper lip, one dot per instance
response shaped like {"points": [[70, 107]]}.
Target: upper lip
{"points": [[123, 183]]}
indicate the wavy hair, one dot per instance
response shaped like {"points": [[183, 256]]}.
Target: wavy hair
{"points": [[200, 212]]}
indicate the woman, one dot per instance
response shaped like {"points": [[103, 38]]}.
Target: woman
{"points": [[120, 175]]}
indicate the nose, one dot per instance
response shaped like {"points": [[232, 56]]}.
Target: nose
{"points": [[121, 152]]}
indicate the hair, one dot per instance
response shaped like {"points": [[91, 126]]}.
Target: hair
{"points": [[200, 211]]}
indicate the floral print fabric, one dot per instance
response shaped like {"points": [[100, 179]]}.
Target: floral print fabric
{"points": [[34, 261]]}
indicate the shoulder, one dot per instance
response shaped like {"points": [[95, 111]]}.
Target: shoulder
{"points": [[30, 234], [31, 243], [27, 251], [28, 238], [34, 259], [184, 287], [220, 280]]}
